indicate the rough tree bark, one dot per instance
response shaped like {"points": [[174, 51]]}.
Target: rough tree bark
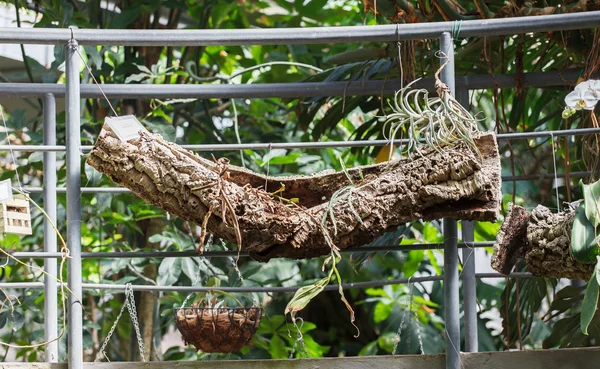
{"points": [[543, 240], [455, 182]]}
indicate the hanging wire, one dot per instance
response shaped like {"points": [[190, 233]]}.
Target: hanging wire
{"points": [[76, 48], [268, 166], [399, 46], [12, 153], [555, 174]]}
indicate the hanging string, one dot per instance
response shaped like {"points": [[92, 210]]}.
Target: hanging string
{"points": [[399, 46], [268, 166], [76, 48], [555, 174], [236, 128], [12, 153]]}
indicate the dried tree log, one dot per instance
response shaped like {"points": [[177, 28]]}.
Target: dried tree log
{"points": [[543, 240], [454, 183]]}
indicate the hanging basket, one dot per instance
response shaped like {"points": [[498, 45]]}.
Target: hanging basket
{"points": [[221, 330], [15, 216]]}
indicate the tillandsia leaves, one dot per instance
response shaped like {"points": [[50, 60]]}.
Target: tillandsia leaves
{"points": [[433, 121]]}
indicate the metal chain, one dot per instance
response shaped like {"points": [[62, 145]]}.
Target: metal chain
{"points": [[422, 352], [410, 315], [110, 333], [130, 305], [134, 320], [299, 344], [398, 337], [239, 273]]}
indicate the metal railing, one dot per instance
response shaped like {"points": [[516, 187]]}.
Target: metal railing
{"points": [[73, 92]]}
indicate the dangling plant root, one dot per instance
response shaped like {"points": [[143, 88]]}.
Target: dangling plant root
{"points": [[305, 294], [435, 121]]}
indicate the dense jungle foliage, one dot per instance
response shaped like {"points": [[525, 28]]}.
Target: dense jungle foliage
{"points": [[528, 313]]}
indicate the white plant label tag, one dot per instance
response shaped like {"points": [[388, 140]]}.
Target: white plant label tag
{"points": [[126, 127], [5, 191]]}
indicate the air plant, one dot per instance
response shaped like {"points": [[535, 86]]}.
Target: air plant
{"points": [[435, 121]]}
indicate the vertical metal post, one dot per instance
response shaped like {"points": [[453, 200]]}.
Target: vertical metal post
{"points": [[469, 289], [451, 286], [75, 347], [468, 257], [50, 264]]}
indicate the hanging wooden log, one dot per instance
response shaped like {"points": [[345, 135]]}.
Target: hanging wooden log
{"points": [[454, 183], [543, 240]]}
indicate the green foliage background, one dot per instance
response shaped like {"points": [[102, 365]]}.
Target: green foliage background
{"points": [[535, 309]]}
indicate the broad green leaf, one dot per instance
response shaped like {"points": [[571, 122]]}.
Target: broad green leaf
{"points": [[590, 302], [591, 198], [313, 348], [287, 159], [583, 245], [272, 154], [16, 321], [369, 350], [277, 348], [386, 341], [4, 318], [213, 282], [169, 271], [190, 269], [136, 78], [382, 312], [304, 295], [413, 262], [126, 17]]}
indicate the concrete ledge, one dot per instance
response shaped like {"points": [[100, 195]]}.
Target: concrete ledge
{"points": [[579, 358]]}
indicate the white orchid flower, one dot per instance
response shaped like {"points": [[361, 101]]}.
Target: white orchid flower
{"points": [[583, 97], [594, 86]]}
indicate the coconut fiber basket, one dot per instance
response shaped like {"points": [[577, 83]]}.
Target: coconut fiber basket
{"points": [[222, 330]]}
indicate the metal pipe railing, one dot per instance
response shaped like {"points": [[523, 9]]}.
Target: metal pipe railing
{"points": [[50, 238], [468, 262], [450, 231], [74, 91], [320, 145], [234, 253], [305, 35], [286, 90], [73, 158], [527, 177], [274, 289]]}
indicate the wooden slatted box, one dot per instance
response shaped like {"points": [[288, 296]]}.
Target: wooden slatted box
{"points": [[15, 216]]}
